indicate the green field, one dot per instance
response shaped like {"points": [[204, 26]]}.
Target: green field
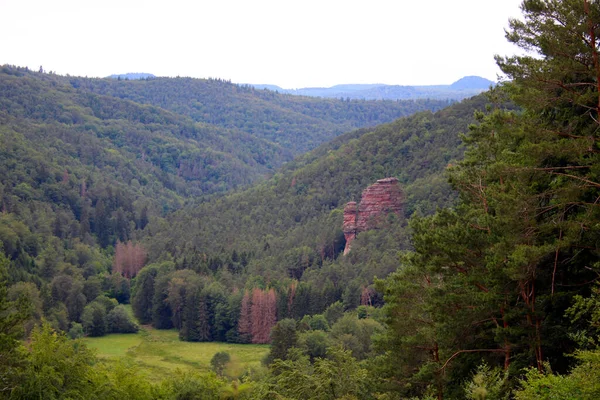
{"points": [[160, 353]]}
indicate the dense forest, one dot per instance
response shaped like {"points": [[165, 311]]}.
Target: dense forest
{"points": [[180, 197], [296, 123]]}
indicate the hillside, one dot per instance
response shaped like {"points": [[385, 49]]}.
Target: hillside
{"points": [[298, 211], [296, 123], [80, 170], [83, 174], [98, 130], [452, 254]]}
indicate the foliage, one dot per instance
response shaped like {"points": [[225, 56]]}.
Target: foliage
{"points": [[76, 331], [284, 336], [120, 321], [492, 277], [219, 361], [129, 259], [580, 383], [12, 316], [585, 312], [94, 320], [338, 376], [56, 368], [193, 386], [487, 384], [297, 123]]}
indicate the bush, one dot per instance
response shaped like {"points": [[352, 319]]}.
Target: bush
{"points": [[119, 321], [93, 319], [76, 331], [219, 362]]}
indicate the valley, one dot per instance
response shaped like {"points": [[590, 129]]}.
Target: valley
{"points": [[183, 238]]}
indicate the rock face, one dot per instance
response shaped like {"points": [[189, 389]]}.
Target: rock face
{"points": [[378, 200]]}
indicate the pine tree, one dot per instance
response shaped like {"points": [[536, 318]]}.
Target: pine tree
{"points": [[496, 274], [245, 320]]}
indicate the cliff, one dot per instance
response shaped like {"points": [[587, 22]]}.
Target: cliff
{"points": [[378, 200]]}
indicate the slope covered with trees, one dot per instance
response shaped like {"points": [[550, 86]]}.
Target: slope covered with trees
{"points": [[284, 235], [297, 123], [83, 173], [503, 279], [494, 293]]}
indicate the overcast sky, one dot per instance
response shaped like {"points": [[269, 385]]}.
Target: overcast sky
{"points": [[289, 43]]}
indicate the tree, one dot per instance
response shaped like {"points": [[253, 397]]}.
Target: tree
{"points": [[26, 292], [284, 336], [492, 278], [143, 294], [129, 258], [314, 344], [245, 320], [263, 314], [339, 376], [161, 311], [57, 368], [219, 361], [93, 319], [193, 386], [580, 383], [119, 321], [12, 316]]}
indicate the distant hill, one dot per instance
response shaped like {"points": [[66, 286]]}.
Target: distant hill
{"points": [[297, 123], [472, 82], [132, 76], [465, 87]]}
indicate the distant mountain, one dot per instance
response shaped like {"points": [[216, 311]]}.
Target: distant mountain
{"points": [[472, 82], [465, 87], [132, 76]]}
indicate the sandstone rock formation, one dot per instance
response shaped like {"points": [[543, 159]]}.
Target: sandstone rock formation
{"points": [[378, 200]]}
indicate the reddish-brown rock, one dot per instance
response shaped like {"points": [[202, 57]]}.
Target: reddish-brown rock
{"points": [[349, 227], [378, 200]]}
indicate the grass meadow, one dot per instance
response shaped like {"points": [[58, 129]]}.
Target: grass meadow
{"points": [[160, 352]]}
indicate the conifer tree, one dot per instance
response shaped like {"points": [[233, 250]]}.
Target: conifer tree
{"points": [[245, 320], [492, 278]]}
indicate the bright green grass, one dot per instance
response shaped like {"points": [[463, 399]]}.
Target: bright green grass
{"points": [[160, 352], [114, 345]]}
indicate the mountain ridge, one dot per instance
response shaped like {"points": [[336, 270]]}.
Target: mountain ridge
{"points": [[464, 87]]}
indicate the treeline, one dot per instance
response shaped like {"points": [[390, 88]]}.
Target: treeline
{"points": [[202, 308]]}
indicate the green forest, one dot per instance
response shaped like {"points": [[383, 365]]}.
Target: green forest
{"points": [[215, 211]]}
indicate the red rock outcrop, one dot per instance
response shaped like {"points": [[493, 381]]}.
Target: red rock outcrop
{"points": [[378, 200]]}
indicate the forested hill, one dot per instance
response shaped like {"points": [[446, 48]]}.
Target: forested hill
{"points": [[297, 123], [123, 140], [81, 170], [297, 213]]}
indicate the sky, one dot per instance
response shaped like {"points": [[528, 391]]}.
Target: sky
{"points": [[289, 43]]}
